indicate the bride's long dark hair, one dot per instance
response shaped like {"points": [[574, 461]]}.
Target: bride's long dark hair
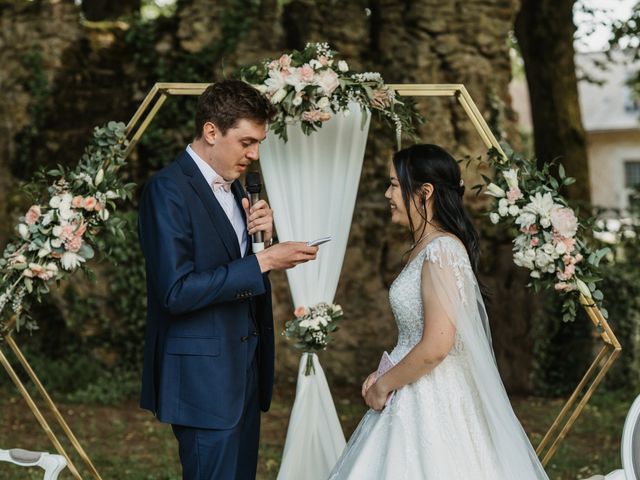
{"points": [[420, 164]]}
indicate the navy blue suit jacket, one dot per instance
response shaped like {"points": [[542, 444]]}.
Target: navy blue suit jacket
{"points": [[204, 299]]}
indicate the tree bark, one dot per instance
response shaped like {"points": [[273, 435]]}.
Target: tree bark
{"points": [[545, 31]]}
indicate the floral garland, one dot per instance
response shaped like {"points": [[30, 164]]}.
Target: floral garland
{"points": [[311, 328], [56, 237], [310, 86], [550, 240]]}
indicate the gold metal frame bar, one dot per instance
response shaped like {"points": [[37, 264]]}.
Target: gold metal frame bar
{"points": [[36, 412], [52, 406], [596, 372]]}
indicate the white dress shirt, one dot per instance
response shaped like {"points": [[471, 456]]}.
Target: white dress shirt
{"points": [[226, 199]]}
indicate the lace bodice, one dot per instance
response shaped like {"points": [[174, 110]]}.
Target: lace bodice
{"points": [[405, 293]]}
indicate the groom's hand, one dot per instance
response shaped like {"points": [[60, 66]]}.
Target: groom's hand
{"points": [[259, 218], [285, 255]]}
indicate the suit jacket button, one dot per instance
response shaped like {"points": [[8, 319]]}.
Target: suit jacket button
{"points": [[244, 339]]}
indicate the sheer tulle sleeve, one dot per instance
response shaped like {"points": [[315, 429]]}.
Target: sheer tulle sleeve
{"points": [[446, 270]]}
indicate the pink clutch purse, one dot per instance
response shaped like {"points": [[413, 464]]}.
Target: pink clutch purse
{"points": [[383, 367]]}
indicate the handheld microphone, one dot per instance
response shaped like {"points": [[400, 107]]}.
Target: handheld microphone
{"points": [[254, 186]]}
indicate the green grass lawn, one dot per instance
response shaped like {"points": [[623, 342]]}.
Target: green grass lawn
{"points": [[125, 442]]}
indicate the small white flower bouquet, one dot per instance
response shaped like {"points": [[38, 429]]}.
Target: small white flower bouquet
{"points": [[312, 327]]}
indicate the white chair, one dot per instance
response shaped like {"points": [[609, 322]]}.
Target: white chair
{"points": [[630, 450], [50, 463]]}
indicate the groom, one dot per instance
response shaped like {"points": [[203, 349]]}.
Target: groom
{"points": [[209, 347]]}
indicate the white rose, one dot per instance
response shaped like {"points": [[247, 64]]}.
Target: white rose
{"points": [[278, 96], [545, 222], [542, 259], [525, 220], [535, 274], [561, 248], [55, 201], [297, 100], [56, 243], [57, 230], [503, 207], [342, 66], [65, 211], [548, 248], [323, 103], [23, 231], [514, 210], [494, 217]]}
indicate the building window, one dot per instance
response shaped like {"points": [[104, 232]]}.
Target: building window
{"points": [[632, 174]]}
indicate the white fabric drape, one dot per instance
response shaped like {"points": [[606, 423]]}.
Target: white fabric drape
{"points": [[311, 448], [312, 182]]}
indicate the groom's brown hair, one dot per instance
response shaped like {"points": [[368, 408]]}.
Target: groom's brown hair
{"points": [[227, 102]]}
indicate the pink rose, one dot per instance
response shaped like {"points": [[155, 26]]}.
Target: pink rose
{"points": [[563, 287], [77, 201], [531, 229], [32, 215], [328, 81], [284, 61], [381, 99], [74, 244], [578, 258], [568, 272], [323, 60], [311, 116], [324, 116], [89, 203], [306, 73], [67, 232], [300, 312], [564, 221], [535, 241], [98, 207], [514, 194]]}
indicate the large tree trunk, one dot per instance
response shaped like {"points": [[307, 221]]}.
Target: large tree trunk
{"points": [[545, 31]]}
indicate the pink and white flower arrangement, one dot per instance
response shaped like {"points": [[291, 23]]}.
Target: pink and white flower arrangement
{"points": [[548, 232], [310, 87], [55, 236], [311, 328]]}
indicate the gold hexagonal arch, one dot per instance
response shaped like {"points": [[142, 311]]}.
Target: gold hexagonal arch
{"points": [[143, 116]]}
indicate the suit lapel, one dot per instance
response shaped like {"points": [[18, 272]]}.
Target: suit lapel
{"points": [[210, 202]]}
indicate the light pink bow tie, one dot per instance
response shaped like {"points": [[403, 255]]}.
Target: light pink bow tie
{"points": [[220, 182]]}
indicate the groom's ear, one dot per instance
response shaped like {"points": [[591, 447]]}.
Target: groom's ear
{"points": [[210, 133]]}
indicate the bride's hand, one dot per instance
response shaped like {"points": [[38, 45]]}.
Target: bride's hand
{"points": [[376, 396], [371, 379]]}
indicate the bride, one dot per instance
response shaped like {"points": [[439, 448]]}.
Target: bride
{"points": [[450, 417]]}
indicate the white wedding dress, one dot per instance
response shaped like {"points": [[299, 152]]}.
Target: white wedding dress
{"points": [[456, 422]]}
